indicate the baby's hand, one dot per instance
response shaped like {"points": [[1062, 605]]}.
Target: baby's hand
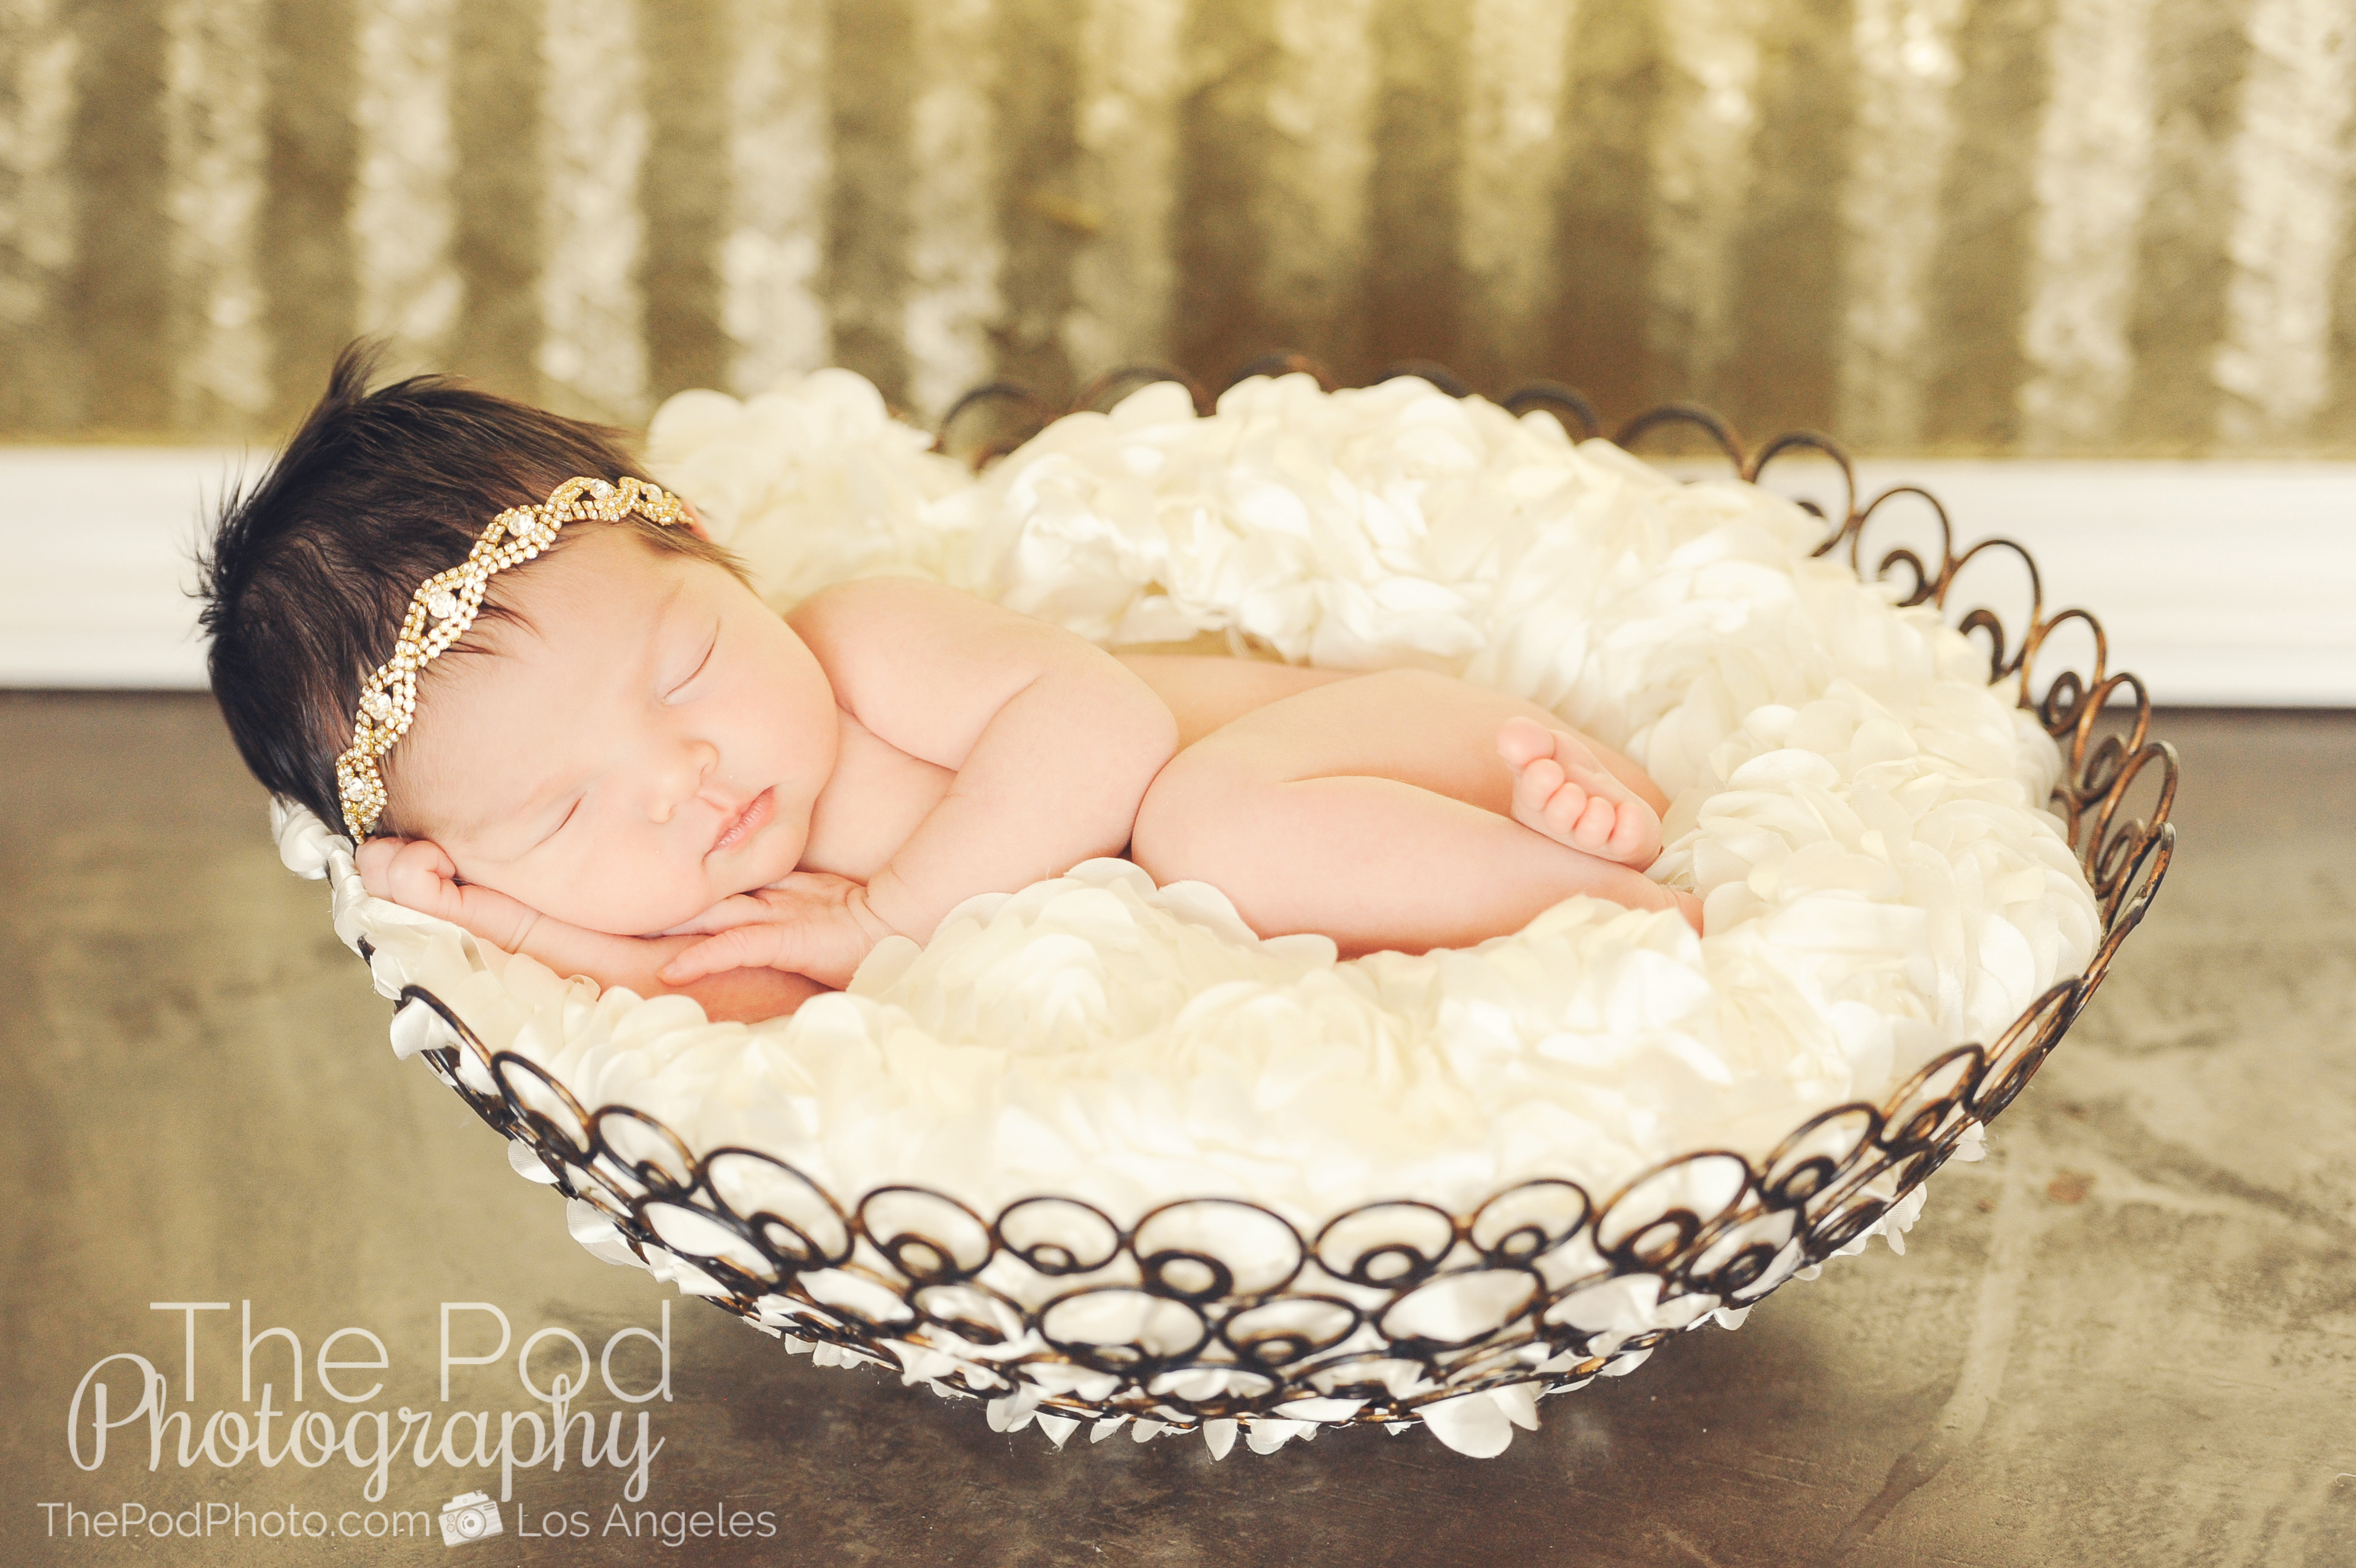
{"points": [[811, 923], [418, 876], [417, 873]]}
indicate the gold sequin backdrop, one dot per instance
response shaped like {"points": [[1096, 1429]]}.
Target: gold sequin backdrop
{"points": [[2030, 226]]}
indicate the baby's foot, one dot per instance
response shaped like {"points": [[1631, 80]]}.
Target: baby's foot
{"points": [[1562, 790]]}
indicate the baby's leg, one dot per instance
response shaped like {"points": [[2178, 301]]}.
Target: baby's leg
{"points": [[1379, 811]]}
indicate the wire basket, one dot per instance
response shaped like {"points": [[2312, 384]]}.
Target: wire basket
{"points": [[1221, 1316]]}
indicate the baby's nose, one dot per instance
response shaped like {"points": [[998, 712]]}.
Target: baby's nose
{"points": [[678, 777]]}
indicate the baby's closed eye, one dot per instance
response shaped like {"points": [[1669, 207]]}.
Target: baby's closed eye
{"points": [[679, 690]]}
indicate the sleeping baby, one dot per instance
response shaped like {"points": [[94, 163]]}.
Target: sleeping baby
{"points": [[548, 710]]}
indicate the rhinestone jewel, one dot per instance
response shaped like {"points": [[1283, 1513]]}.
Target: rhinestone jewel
{"points": [[443, 606]]}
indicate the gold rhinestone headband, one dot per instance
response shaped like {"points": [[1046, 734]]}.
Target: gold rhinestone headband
{"points": [[449, 600]]}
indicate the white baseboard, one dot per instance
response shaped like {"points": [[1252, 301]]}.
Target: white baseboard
{"points": [[100, 562], [2219, 583]]}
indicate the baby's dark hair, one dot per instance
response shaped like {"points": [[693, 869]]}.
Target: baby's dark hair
{"points": [[311, 570]]}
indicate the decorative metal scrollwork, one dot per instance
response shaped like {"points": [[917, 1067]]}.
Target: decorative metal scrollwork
{"points": [[1211, 1309]]}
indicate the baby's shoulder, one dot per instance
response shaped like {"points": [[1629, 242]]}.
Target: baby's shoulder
{"points": [[866, 608]]}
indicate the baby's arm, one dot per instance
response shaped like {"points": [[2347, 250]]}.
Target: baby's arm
{"points": [[1053, 740], [417, 874]]}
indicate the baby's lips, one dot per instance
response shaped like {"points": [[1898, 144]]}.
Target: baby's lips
{"points": [[748, 820]]}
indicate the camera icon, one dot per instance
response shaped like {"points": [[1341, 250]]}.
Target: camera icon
{"points": [[469, 1516]]}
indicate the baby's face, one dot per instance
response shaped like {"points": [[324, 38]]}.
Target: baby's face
{"points": [[650, 740]]}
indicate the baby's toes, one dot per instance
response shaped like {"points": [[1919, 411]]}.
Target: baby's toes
{"points": [[1522, 741], [1565, 808], [1533, 788], [1567, 811], [1635, 836], [1592, 831]]}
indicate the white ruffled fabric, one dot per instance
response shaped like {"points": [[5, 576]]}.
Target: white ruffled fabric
{"points": [[1861, 812]]}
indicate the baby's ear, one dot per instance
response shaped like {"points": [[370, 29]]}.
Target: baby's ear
{"points": [[694, 520]]}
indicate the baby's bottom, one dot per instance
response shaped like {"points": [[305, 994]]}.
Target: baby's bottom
{"points": [[1379, 811]]}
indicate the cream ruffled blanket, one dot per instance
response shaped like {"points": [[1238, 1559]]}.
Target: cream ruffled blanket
{"points": [[1863, 814]]}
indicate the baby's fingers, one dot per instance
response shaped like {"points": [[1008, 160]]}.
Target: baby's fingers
{"points": [[372, 860], [416, 874], [492, 915], [745, 947], [739, 909]]}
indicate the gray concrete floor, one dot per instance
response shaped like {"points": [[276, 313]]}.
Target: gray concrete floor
{"points": [[2128, 1336]]}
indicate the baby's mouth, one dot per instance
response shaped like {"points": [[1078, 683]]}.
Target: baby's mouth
{"points": [[748, 822]]}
